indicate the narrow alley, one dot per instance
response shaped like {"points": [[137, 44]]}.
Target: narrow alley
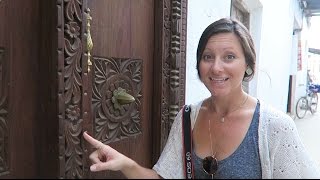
{"points": [[309, 129]]}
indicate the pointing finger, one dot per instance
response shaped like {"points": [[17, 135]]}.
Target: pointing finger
{"points": [[95, 143]]}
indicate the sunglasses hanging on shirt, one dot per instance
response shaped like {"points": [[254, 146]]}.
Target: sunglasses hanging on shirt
{"points": [[210, 165]]}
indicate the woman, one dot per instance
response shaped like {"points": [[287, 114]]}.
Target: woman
{"points": [[233, 132]]}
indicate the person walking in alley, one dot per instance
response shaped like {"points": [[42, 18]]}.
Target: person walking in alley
{"points": [[309, 79], [234, 135]]}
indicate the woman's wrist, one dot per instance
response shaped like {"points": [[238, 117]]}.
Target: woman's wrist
{"points": [[134, 171], [130, 168]]}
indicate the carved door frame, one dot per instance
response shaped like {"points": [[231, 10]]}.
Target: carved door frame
{"points": [[73, 94]]}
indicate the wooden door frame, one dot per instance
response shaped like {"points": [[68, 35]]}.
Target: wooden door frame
{"points": [[169, 67], [68, 116]]}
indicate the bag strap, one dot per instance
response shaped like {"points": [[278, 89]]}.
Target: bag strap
{"points": [[187, 143]]}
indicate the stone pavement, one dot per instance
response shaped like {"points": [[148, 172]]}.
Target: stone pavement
{"points": [[309, 129]]}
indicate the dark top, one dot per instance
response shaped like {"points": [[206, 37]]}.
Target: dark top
{"points": [[244, 163]]}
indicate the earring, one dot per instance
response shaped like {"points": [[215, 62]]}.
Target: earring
{"points": [[249, 71]]}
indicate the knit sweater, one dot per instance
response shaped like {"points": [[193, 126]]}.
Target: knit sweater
{"points": [[282, 153]]}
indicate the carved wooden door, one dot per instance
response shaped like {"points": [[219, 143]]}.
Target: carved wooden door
{"points": [[48, 97], [138, 49], [122, 76]]}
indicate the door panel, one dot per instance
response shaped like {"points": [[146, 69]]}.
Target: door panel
{"points": [[4, 73], [18, 88], [122, 32]]}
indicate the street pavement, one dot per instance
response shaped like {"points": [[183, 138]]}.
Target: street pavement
{"points": [[309, 129]]}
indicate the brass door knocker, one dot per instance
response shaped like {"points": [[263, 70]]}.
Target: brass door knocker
{"points": [[89, 40]]}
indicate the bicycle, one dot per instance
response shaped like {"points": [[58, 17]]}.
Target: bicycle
{"points": [[308, 102]]}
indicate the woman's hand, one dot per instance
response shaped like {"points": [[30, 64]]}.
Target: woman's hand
{"points": [[105, 157]]}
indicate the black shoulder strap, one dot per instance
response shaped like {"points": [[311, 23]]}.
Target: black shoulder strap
{"points": [[186, 130]]}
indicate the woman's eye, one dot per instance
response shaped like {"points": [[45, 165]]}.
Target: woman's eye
{"points": [[206, 57], [230, 57]]}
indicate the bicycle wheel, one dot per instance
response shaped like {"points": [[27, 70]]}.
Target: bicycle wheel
{"points": [[314, 103], [301, 107]]}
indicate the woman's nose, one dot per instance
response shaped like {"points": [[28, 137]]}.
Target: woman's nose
{"points": [[216, 65]]}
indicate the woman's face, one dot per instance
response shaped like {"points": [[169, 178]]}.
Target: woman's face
{"points": [[222, 65]]}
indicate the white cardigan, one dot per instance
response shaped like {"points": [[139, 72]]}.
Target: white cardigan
{"points": [[282, 153]]}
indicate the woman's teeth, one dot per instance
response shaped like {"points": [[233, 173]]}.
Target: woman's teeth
{"points": [[217, 79]]}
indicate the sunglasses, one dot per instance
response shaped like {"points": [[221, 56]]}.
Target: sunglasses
{"points": [[210, 165]]}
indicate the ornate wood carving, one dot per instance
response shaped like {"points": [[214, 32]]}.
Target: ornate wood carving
{"points": [[174, 63], [114, 123], [4, 152], [175, 59], [73, 90], [72, 75]]}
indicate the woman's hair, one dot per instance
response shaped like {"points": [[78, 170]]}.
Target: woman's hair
{"points": [[226, 25]]}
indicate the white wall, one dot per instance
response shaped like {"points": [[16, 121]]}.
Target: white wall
{"points": [[275, 53]]}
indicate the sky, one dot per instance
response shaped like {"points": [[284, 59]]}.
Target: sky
{"points": [[314, 36]]}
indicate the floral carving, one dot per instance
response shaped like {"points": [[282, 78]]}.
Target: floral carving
{"points": [[73, 87], [73, 160], [113, 124], [73, 30], [73, 113]]}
